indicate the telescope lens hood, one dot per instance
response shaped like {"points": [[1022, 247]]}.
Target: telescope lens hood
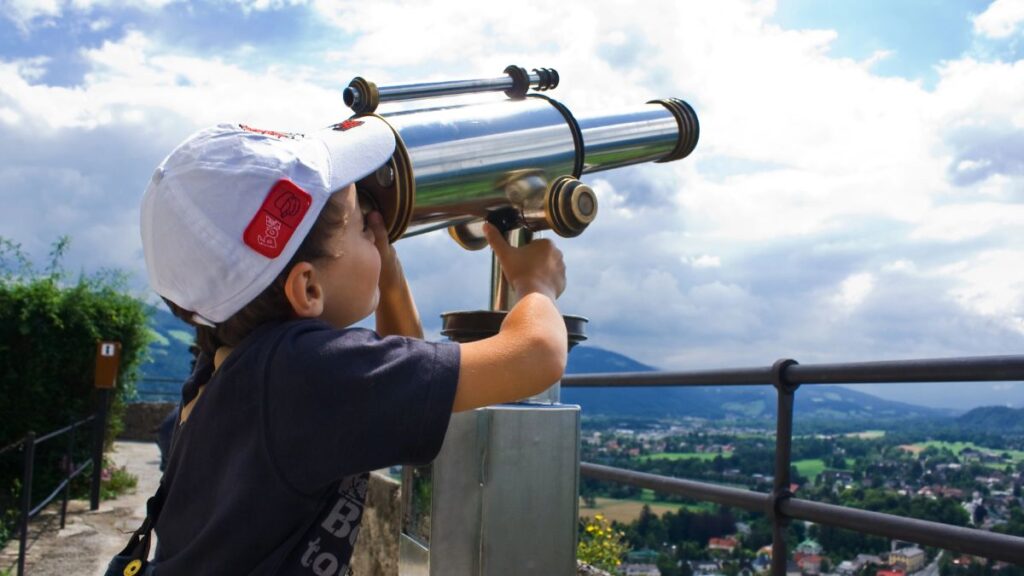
{"points": [[689, 128]]}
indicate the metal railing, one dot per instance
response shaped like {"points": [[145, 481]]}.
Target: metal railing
{"points": [[780, 505], [28, 446], [158, 395]]}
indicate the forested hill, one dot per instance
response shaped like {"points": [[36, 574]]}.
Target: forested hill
{"points": [[994, 419], [739, 402], [169, 357]]}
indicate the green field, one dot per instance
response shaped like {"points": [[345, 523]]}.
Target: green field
{"points": [[867, 434], [158, 338], [626, 511], [812, 467], [956, 447], [687, 455]]}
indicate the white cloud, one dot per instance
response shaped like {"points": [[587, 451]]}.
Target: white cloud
{"points": [[1000, 20], [24, 11], [959, 222], [704, 261], [827, 213], [991, 284], [854, 290], [261, 5]]}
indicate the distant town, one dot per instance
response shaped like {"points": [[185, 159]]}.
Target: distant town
{"points": [[972, 479]]}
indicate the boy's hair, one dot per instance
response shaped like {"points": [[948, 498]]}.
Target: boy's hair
{"points": [[271, 305]]}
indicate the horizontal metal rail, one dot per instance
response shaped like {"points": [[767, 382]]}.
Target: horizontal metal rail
{"points": [[12, 446], [63, 484], [63, 430], [978, 369], [703, 491], [787, 376], [949, 537]]}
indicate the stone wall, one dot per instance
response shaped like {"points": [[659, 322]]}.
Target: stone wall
{"points": [[142, 419], [377, 547]]}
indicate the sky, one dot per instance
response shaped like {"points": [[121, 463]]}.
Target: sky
{"points": [[856, 193]]}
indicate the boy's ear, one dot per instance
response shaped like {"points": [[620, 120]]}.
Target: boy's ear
{"points": [[304, 291]]}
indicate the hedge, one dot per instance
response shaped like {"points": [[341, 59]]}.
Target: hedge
{"points": [[49, 328]]}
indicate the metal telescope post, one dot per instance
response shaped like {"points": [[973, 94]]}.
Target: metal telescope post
{"points": [[502, 495]]}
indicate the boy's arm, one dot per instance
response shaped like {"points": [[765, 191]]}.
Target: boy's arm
{"points": [[396, 311], [528, 354]]}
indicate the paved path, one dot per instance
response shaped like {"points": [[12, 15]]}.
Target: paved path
{"points": [[89, 539]]}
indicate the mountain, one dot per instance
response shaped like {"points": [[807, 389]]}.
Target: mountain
{"points": [[994, 419], [170, 362], [818, 402]]}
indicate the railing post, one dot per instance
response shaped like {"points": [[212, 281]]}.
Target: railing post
{"points": [[67, 478], [97, 451], [26, 498], [783, 451]]}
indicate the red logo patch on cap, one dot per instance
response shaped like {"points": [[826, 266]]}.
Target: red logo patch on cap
{"points": [[277, 219], [346, 125]]}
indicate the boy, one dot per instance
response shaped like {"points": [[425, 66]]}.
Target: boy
{"points": [[257, 239]]}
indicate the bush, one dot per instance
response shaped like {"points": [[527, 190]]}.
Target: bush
{"points": [[49, 328]]}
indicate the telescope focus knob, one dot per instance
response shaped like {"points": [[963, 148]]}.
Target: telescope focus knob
{"points": [[570, 206]]}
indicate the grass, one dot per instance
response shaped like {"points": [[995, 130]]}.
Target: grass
{"points": [[182, 336], [867, 434], [687, 455], [626, 511], [812, 467], [158, 339], [956, 447]]}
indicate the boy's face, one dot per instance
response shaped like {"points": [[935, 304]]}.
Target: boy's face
{"points": [[350, 278]]}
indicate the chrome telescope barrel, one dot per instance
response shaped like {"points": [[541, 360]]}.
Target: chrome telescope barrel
{"points": [[639, 134], [515, 163]]}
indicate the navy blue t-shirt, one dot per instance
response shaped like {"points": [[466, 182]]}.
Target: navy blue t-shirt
{"points": [[268, 474]]}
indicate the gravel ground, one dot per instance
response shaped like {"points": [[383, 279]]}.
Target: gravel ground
{"points": [[89, 539]]}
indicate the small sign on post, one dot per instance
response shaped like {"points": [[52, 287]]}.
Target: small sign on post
{"points": [[108, 359]]}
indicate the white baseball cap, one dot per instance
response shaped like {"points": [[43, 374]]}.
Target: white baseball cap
{"points": [[227, 209]]}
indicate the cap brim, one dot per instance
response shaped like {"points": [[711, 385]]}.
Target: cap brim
{"points": [[356, 147]]}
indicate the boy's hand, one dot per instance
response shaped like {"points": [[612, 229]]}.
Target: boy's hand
{"points": [[396, 310], [391, 276], [535, 267]]}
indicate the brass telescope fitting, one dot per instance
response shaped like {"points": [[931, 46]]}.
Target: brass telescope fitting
{"points": [[689, 128], [570, 206]]}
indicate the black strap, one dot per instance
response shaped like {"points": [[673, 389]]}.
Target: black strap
{"points": [[136, 552]]}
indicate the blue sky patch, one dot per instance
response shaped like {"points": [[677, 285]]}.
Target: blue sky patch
{"points": [[919, 33]]}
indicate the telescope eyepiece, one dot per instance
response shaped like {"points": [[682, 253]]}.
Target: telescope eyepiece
{"points": [[361, 95]]}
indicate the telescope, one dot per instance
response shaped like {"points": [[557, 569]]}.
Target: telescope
{"points": [[515, 162], [501, 498]]}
